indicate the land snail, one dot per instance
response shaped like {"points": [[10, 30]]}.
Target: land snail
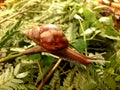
{"points": [[51, 39]]}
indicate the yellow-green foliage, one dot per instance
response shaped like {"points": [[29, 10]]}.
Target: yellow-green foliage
{"points": [[87, 31]]}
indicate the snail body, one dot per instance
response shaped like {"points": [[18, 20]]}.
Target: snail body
{"points": [[53, 40]]}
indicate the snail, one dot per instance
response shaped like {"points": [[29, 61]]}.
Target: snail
{"points": [[50, 38]]}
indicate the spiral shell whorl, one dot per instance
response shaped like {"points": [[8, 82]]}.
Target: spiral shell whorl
{"points": [[52, 38], [34, 34]]}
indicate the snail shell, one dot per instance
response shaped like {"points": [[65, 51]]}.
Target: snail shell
{"points": [[48, 36]]}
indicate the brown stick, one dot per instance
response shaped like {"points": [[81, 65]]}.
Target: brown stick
{"points": [[49, 75]]}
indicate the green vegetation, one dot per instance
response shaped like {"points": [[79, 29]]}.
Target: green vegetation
{"points": [[88, 32]]}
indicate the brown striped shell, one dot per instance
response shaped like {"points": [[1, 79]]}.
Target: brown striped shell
{"points": [[48, 36]]}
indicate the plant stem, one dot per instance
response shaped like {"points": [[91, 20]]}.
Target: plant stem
{"points": [[84, 37], [10, 57], [49, 74], [5, 19]]}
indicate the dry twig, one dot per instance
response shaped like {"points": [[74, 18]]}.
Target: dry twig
{"points": [[49, 74]]}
